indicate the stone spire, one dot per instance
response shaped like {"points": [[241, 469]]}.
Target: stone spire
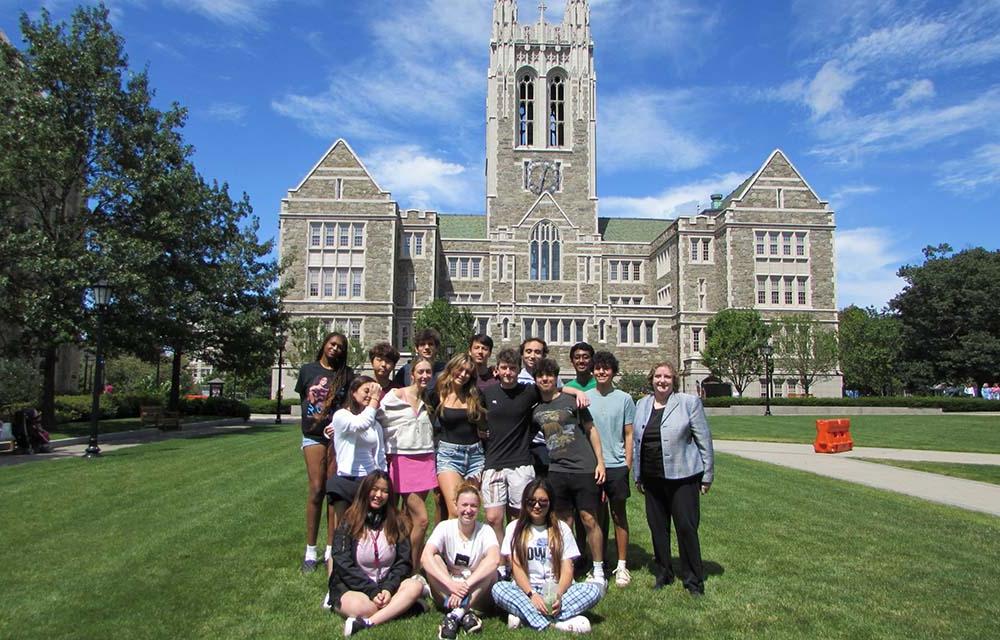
{"points": [[576, 20], [504, 19]]}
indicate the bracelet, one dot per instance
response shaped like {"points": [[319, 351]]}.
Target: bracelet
{"points": [[531, 594]]}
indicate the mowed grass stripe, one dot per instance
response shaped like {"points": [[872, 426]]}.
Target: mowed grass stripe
{"points": [[202, 538], [980, 434]]}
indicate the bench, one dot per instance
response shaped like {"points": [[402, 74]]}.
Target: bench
{"points": [[160, 418]]}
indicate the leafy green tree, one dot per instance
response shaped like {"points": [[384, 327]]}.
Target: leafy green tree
{"points": [[304, 338], [950, 316], [805, 348], [453, 323], [732, 349], [357, 355], [870, 347], [73, 122]]}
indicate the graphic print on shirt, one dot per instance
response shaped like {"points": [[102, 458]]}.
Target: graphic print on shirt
{"points": [[559, 430], [316, 395], [539, 550]]}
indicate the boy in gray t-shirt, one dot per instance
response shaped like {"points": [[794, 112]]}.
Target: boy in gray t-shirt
{"points": [[576, 463]]}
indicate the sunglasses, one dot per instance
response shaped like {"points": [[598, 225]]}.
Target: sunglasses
{"points": [[535, 502]]}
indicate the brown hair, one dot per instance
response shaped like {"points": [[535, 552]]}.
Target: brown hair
{"points": [[468, 487], [523, 527], [467, 393], [394, 525], [349, 402], [673, 372]]}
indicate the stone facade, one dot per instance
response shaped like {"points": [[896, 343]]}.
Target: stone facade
{"points": [[541, 262]]}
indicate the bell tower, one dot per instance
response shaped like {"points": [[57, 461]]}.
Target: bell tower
{"points": [[541, 121]]}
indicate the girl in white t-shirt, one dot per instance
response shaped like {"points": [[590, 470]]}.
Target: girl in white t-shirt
{"points": [[541, 549], [460, 560]]}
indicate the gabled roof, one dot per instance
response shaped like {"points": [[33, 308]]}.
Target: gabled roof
{"points": [[339, 145], [460, 226], [546, 196], [741, 190], [631, 229]]}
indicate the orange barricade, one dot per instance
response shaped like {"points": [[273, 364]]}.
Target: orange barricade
{"points": [[833, 436]]}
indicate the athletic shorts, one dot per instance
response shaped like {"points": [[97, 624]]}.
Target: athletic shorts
{"points": [[616, 486], [574, 491], [506, 486], [467, 460], [309, 441]]}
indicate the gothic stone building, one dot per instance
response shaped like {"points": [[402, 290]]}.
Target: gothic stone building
{"points": [[541, 261]]}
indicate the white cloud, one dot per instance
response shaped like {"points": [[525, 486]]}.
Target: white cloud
{"points": [[677, 28], [421, 180], [686, 199], [227, 112], [867, 261], [915, 91], [238, 13], [850, 191], [981, 170], [825, 93], [652, 129]]}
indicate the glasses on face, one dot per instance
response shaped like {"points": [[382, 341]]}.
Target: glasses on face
{"points": [[538, 502]]}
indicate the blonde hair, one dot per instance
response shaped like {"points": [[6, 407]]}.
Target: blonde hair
{"points": [[673, 372], [468, 393]]}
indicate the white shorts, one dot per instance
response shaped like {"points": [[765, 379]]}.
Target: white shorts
{"points": [[506, 486]]}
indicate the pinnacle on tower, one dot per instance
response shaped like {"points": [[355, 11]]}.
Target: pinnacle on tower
{"points": [[504, 19]]}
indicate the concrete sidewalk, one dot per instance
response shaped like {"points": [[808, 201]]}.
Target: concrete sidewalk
{"points": [[956, 492], [68, 448]]}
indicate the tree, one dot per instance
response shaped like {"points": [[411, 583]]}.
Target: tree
{"points": [[453, 323], [71, 125], [732, 349], [950, 316], [870, 347], [305, 337], [805, 348]]}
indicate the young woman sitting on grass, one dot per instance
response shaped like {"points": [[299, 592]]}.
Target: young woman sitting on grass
{"points": [[371, 559], [460, 560], [356, 439], [541, 549]]}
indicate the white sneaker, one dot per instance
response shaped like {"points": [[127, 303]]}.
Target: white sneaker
{"points": [[513, 622], [601, 582], [622, 577], [326, 602], [576, 624]]}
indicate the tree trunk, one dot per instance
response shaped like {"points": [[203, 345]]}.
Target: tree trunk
{"points": [[48, 407], [175, 382]]}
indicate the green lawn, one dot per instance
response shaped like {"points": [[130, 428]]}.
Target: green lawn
{"points": [[117, 425], [979, 434], [981, 472], [202, 537]]}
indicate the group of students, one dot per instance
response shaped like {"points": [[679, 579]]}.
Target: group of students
{"points": [[510, 441]]}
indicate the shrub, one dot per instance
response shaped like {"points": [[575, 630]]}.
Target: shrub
{"points": [[223, 407], [944, 403], [266, 405]]}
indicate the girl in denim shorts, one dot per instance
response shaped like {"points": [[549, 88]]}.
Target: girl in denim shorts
{"points": [[458, 417]]}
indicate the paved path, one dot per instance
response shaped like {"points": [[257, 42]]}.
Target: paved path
{"points": [[967, 494], [74, 447]]}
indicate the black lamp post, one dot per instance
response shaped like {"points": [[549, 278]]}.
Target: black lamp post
{"points": [[101, 293], [768, 351], [281, 354]]}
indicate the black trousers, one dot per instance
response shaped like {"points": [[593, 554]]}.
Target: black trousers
{"points": [[679, 500]]}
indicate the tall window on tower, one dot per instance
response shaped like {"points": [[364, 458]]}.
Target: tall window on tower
{"points": [[525, 110], [557, 111], [545, 251]]}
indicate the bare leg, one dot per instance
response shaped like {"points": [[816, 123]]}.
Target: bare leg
{"points": [[355, 604], [594, 538], [315, 457], [449, 481], [409, 592], [334, 513], [416, 509], [331, 470], [620, 516], [494, 518]]}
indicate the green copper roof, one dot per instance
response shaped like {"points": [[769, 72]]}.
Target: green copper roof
{"points": [[631, 229], [462, 226]]}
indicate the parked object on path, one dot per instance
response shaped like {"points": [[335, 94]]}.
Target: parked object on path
{"points": [[29, 436], [833, 436]]}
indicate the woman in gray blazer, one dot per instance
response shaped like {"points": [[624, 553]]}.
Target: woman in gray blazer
{"points": [[674, 465]]}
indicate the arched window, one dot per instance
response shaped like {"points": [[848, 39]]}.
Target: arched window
{"points": [[525, 110], [545, 261], [557, 111]]}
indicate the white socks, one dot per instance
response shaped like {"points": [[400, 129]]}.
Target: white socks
{"points": [[457, 613], [310, 552], [599, 570], [621, 564], [329, 552]]}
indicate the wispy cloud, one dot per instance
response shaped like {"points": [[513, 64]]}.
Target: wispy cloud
{"points": [[915, 91], [981, 170], [676, 28], [867, 261], [655, 129], [685, 199], [418, 179], [237, 13], [848, 192], [227, 112]]}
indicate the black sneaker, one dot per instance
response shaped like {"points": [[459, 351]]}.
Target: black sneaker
{"points": [[448, 629], [353, 625], [308, 566], [471, 622]]}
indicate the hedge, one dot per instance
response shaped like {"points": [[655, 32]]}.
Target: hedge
{"points": [[127, 405], [945, 403], [223, 407], [266, 405]]}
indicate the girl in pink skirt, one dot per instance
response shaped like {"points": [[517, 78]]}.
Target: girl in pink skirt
{"points": [[409, 446]]}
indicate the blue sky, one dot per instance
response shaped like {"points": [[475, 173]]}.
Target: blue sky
{"points": [[891, 110]]}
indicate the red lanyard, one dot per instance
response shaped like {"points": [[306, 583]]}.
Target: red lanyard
{"points": [[374, 538]]}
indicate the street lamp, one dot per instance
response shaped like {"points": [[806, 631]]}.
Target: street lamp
{"points": [[281, 353], [101, 294], [767, 351]]}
